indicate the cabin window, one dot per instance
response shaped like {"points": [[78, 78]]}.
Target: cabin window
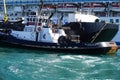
{"points": [[8, 7], [117, 20], [33, 19], [111, 20], [39, 20], [33, 13], [28, 19]]}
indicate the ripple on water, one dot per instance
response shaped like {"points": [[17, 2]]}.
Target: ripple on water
{"points": [[27, 65]]}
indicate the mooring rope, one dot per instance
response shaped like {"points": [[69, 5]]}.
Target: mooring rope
{"points": [[97, 34]]}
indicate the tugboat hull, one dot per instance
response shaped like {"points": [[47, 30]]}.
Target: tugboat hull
{"points": [[71, 48]]}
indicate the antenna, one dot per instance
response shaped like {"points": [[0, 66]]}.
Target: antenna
{"points": [[5, 12]]}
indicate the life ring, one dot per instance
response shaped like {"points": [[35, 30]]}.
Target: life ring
{"points": [[39, 29]]}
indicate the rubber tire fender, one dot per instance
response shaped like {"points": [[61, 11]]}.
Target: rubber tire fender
{"points": [[62, 40]]}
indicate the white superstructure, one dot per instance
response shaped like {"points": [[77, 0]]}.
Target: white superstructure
{"points": [[80, 17], [47, 34], [106, 10]]}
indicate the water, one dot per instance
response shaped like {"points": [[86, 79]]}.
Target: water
{"points": [[19, 64]]}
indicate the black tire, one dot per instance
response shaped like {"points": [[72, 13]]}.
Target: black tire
{"points": [[62, 40]]}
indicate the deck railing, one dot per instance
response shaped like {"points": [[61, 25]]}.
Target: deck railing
{"points": [[19, 2]]}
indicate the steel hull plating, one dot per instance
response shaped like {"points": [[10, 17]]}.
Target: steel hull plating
{"points": [[93, 32], [71, 48]]}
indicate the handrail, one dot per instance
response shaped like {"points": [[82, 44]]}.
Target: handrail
{"points": [[55, 1]]}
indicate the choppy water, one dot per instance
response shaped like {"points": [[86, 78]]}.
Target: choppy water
{"points": [[18, 64]]}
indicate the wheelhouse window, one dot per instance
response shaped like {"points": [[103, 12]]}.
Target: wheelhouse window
{"points": [[111, 20], [117, 20], [33, 19], [28, 19]]}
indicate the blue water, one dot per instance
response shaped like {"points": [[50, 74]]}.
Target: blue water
{"points": [[19, 64]]}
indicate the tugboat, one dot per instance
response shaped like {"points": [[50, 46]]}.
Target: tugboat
{"points": [[80, 22], [51, 37]]}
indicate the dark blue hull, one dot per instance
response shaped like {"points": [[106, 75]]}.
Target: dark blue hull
{"points": [[71, 48]]}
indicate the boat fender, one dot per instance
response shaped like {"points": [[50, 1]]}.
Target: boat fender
{"points": [[62, 40], [97, 20]]}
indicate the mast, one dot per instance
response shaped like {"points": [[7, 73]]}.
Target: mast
{"points": [[5, 11], [38, 14], [60, 20], [37, 19]]}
